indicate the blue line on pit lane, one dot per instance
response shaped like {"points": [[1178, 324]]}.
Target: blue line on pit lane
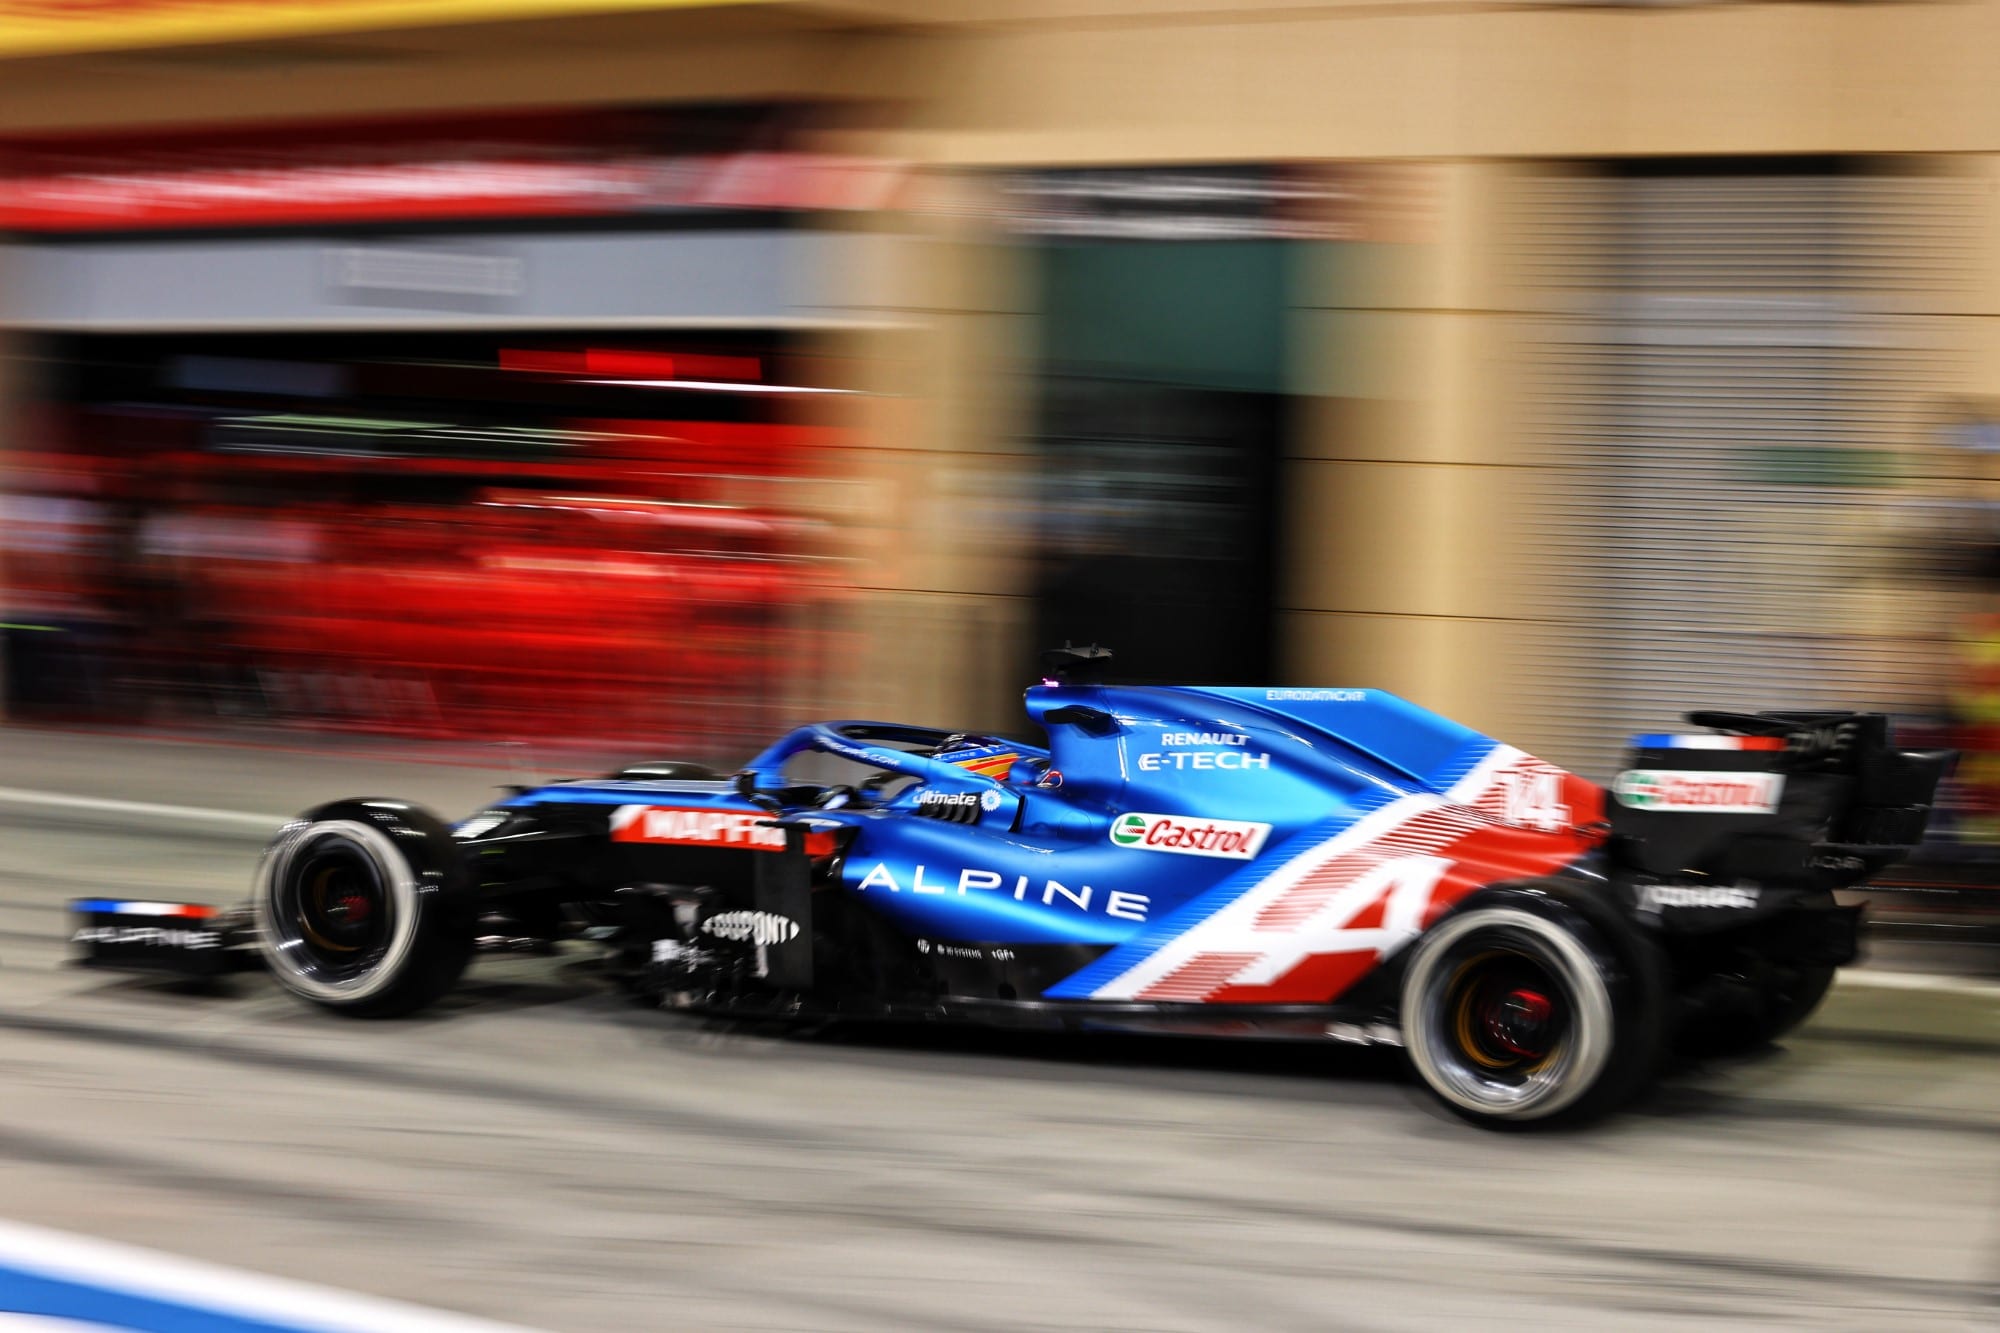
{"points": [[106, 1308], [55, 1282]]}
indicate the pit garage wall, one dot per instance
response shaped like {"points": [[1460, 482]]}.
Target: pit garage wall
{"points": [[1438, 489], [1415, 483], [937, 626], [1539, 490], [1410, 500], [1404, 487], [1427, 547], [1750, 370]]}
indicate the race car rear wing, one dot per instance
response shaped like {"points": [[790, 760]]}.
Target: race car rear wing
{"points": [[1809, 800]]}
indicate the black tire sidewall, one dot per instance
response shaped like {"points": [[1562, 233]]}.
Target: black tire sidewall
{"points": [[1633, 975], [439, 902]]}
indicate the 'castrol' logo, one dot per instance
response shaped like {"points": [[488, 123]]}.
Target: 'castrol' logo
{"points": [[1190, 837], [1705, 793]]}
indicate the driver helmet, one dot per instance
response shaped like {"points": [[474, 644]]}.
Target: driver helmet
{"points": [[979, 754]]}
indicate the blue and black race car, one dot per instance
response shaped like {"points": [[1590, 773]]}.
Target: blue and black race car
{"points": [[1317, 863]]}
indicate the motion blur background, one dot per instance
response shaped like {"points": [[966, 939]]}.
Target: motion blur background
{"points": [[667, 372], [381, 379]]}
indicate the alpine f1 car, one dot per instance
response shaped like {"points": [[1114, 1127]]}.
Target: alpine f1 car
{"points": [[1319, 863]]}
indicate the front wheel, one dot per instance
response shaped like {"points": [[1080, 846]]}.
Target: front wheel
{"points": [[362, 907], [1529, 1005]]}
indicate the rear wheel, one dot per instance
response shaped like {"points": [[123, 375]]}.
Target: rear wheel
{"points": [[1529, 1006], [362, 907]]}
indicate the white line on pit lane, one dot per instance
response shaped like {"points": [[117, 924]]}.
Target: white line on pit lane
{"points": [[282, 1305], [54, 800], [1882, 979]]}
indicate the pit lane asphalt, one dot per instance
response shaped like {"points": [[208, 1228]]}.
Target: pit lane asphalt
{"points": [[538, 1150]]}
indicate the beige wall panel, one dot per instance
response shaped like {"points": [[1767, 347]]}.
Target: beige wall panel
{"points": [[1327, 88], [1474, 671], [1431, 661], [956, 365], [954, 386], [1473, 406], [1432, 237], [934, 659], [1441, 380], [1361, 86], [1406, 539], [1472, 241], [1358, 429], [934, 522], [1712, 78], [1334, 81], [927, 523], [882, 363], [1723, 78], [882, 531], [1763, 78], [1322, 89], [1542, 81], [1944, 296], [1118, 12], [983, 394], [927, 274], [1914, 77]]}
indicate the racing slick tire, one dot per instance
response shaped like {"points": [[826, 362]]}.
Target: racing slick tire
{"points": [[1531, 1005], [364, 907]]}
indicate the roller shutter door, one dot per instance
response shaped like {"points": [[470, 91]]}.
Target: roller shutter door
{"points": [[1734, 370]]}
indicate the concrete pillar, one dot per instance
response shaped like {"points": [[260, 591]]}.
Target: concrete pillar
{"points": [[1405, 566], [938, 492]]}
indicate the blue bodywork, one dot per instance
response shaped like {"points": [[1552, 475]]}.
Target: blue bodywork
{"points": [[1032, 859]]}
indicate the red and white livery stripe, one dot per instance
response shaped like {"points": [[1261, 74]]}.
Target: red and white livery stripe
{"points": [[1330, 914]]}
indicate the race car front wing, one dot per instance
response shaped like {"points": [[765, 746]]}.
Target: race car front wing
{"points": [[185, 939]]}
